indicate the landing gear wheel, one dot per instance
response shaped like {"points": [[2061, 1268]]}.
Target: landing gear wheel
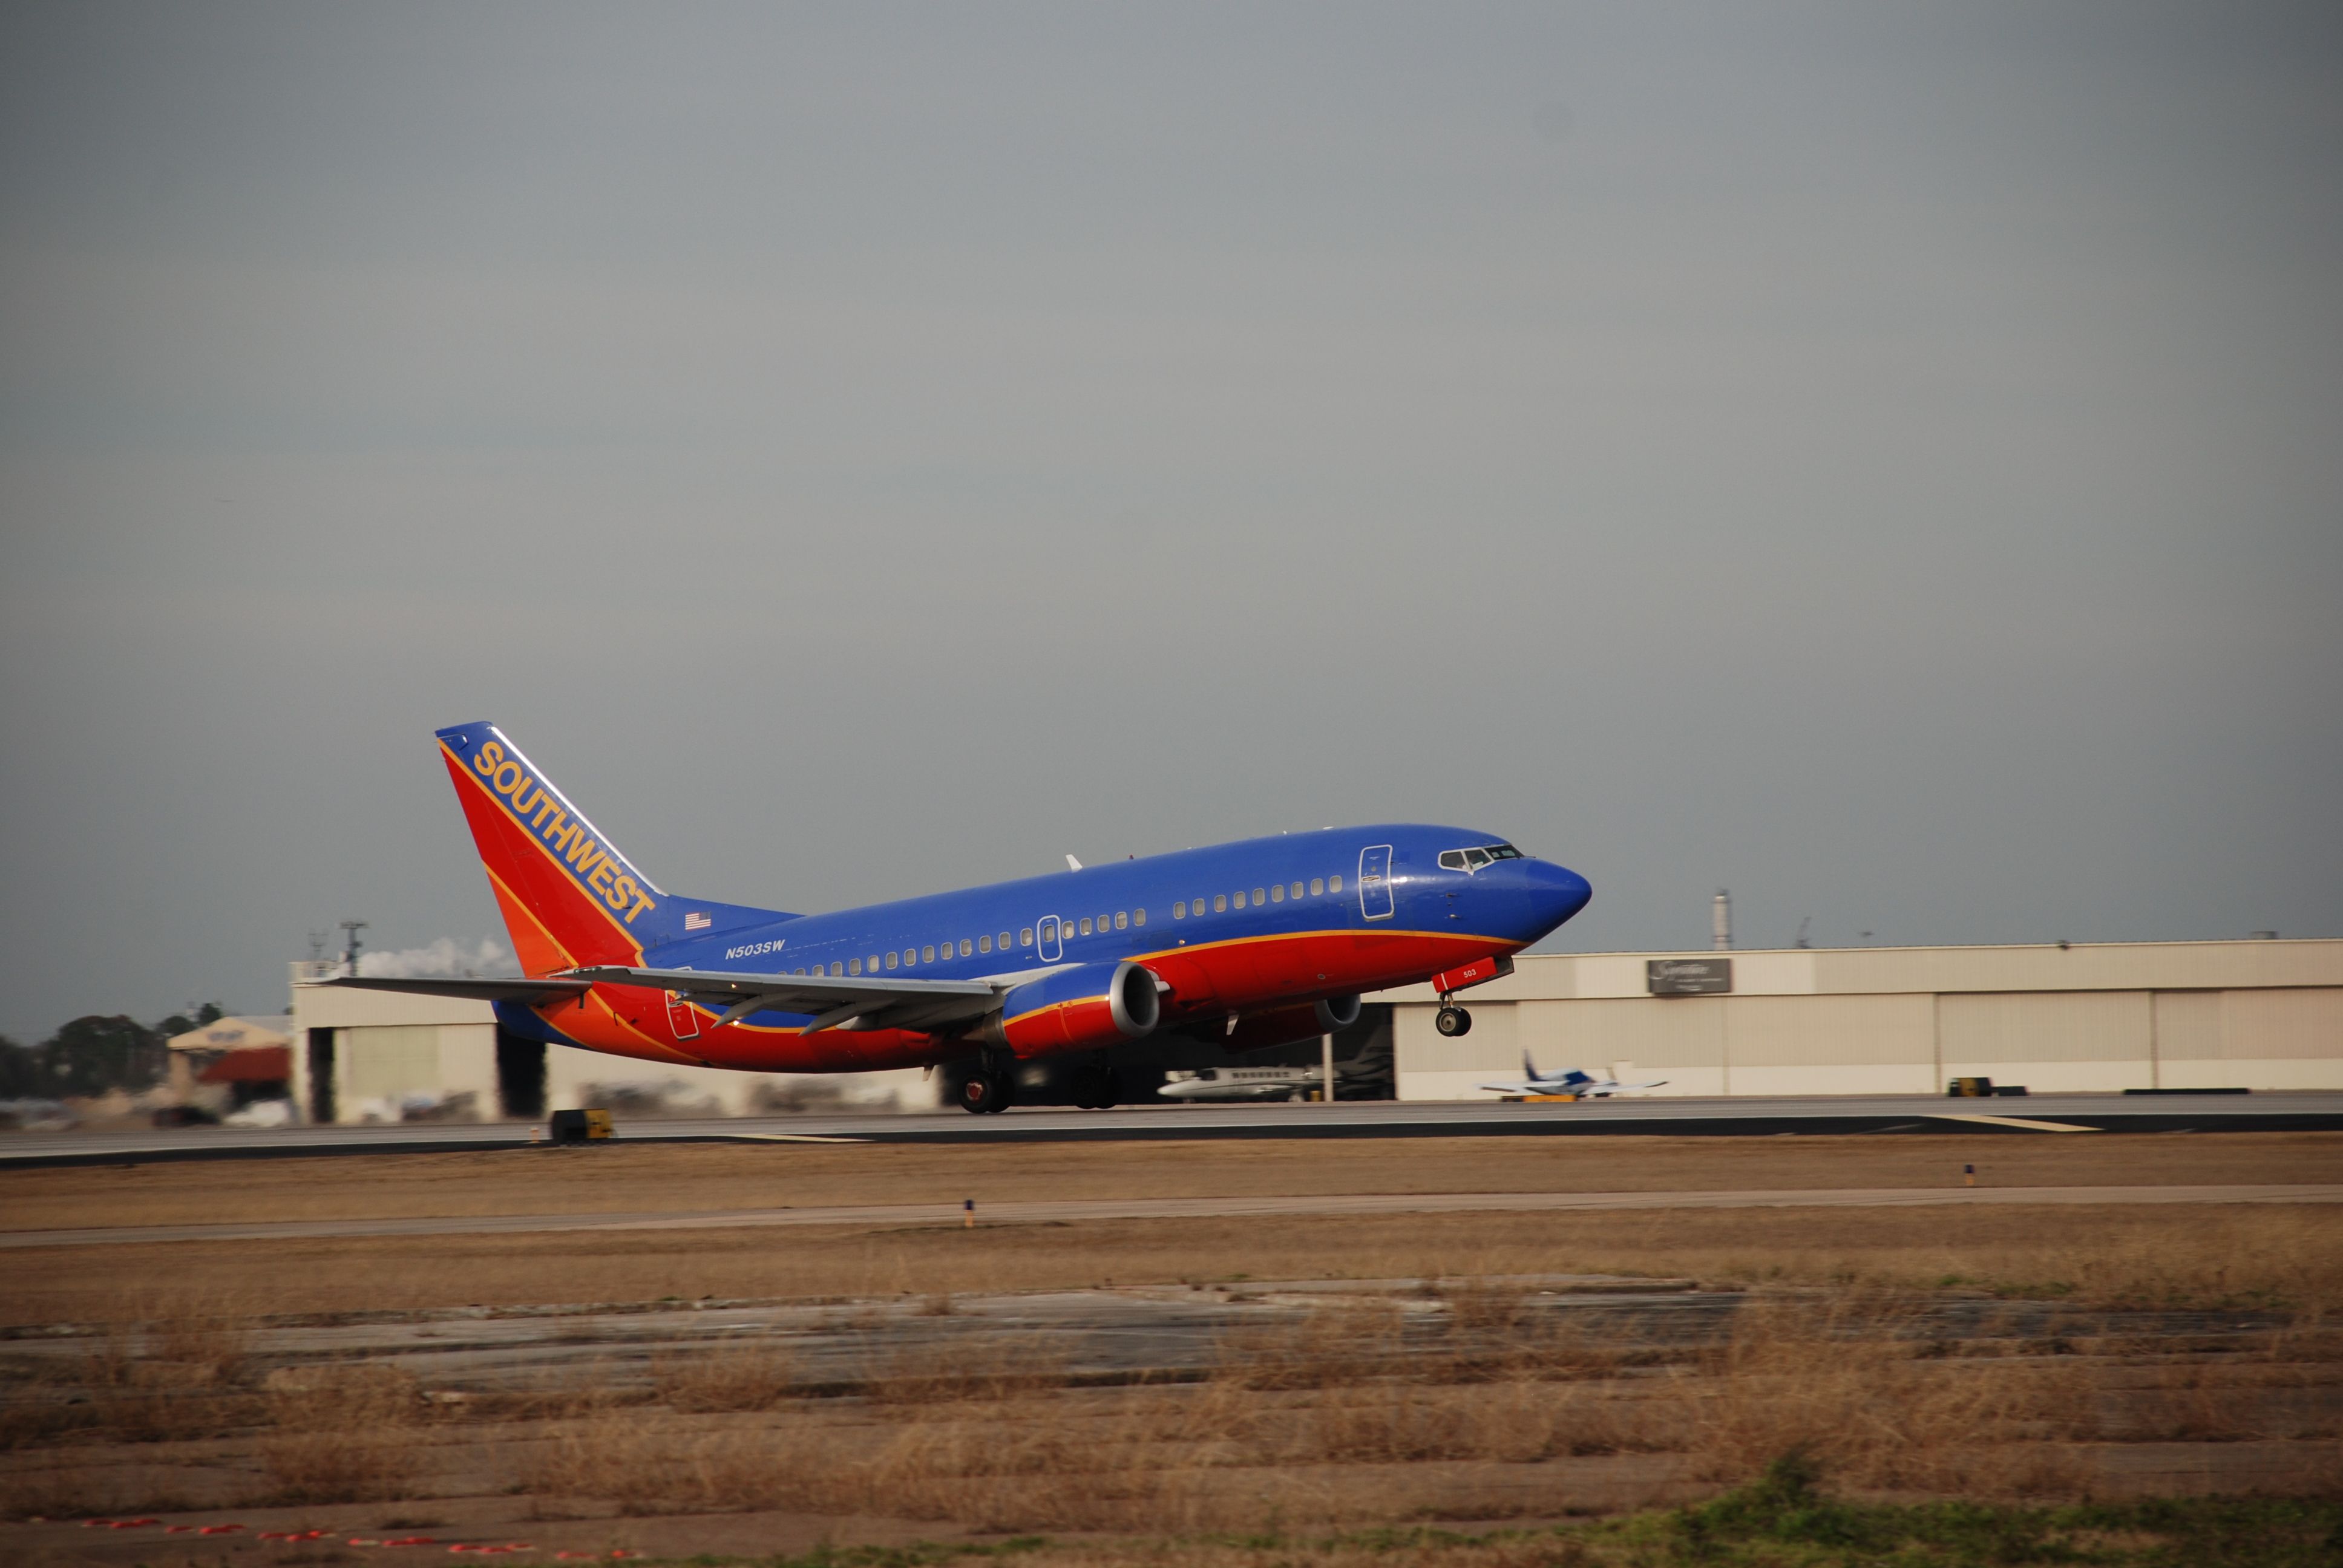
{"points": [[1453, 1021], [985, 1093]]}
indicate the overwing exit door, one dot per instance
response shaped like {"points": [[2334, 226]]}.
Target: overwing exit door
{"points": [[1047, 939], [1375, 882]]}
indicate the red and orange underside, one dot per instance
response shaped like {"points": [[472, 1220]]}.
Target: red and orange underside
{"points": [[1207, 979]]}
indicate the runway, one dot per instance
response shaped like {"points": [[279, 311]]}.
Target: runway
{"points": [[1672, 1117], [1066, 1211]]}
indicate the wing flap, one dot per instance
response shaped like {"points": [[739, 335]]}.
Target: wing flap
{"points": [[858, 1001]]}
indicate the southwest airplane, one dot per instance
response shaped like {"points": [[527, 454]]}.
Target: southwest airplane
{"points": [[1258, 944]]}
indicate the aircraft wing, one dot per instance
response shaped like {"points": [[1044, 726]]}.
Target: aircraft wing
{"points": [[513, 987], [866, 1001]]}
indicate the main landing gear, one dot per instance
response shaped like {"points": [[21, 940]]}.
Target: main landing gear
{"points": [[1453, 1021], [985, 1092], [1097, 1090]]}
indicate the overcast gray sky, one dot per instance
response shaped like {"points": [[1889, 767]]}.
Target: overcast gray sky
{"points": [[1883, 460]]}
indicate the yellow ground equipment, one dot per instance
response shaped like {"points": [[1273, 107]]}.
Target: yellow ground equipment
{"points": [[580, 1126]]}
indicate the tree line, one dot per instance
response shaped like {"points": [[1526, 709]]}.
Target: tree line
{"points": [[93, 1054]]}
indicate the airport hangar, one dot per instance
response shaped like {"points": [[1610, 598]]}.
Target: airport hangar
{"points": [[2261, 1014]]}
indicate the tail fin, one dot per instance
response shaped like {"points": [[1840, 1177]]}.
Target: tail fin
{"points": [[1529, 1068], [568, 897]]}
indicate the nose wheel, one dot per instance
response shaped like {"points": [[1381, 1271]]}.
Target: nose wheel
{"points": [[1453, 1021]]}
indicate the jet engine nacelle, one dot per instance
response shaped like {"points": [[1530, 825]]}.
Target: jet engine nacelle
{"points": [[1079, 1009], [1287, 1024]]}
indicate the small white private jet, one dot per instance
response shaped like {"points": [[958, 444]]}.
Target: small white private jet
{"points": [[1571, 1082], [1366, 1077]]}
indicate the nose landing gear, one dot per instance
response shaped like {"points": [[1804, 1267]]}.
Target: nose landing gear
{"points": [[1453, 1021]]}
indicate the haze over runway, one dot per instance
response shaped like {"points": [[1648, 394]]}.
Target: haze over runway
{"points": [[1882, 464]]}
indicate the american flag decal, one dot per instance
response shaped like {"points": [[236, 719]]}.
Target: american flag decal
{"points": [[697, 922]]}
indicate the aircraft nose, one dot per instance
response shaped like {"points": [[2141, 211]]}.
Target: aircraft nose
{"points": [[1557, 893]]}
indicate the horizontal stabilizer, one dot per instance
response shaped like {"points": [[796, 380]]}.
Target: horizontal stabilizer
{"points": [[518, 987]]}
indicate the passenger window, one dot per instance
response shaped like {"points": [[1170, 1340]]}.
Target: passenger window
{"points": [[1003, 940], [1240, 898], [1024, 936], [927, 955], [1317, 887], [836, 968], [1333, 884], [1256, 898], [1139, 917], [891, 960], [1220, 902], [1123, 920], [963, 947], [854, 967], [801, 969], [1297, 889], [1180, 910], [870, 964], [1086, 925], [1277, 894], [984, 943]]}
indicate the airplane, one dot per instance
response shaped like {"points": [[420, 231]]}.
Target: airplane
{"points": [[1262, 941], [1284, 1082], [1570, 1081]]}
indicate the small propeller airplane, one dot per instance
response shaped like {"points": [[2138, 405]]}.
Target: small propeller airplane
{"points": [[1573, 1081]]}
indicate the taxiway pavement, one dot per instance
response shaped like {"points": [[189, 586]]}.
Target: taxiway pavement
{"points": [[2044, 1113], [1067, 1209]]}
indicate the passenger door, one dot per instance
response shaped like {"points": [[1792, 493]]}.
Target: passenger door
{"points": [[1375, 882]]}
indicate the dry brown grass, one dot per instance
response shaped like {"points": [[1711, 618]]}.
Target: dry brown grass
{"points": [[2290, 1254], [2197, 1401], [1330, 1346], [174, 1369], [1845, 1384], [1363, 1415], [1518, 1420], [754, 1375], [346, 1433], [633, 1179], [968, 1366], [984, 1468], [1469, 1399]]}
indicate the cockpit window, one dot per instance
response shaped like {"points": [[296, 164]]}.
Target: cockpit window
{"points": [[1479, 855]]}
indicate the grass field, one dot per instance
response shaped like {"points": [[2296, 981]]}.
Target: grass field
{"points": [[1453, 1403], [621, 1177]]}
